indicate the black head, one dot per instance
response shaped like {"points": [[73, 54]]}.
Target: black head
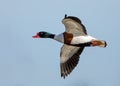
{"points": [[41, 34]]}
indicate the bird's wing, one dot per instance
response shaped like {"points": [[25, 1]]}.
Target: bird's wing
{"points": [[69, 58], [74, 25]]}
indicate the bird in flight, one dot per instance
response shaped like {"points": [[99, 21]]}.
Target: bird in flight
{"points": [[74, 39]]}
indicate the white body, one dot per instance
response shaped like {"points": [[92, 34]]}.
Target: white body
{"points": [[82, 39], [76, 39]]}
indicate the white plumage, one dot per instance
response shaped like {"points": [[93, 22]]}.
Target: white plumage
{"points": [[82, 39]]}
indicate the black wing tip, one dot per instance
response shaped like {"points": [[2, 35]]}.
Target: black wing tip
{"points": [[65, 71], [63, 76], [65, 16], [68, 67]]}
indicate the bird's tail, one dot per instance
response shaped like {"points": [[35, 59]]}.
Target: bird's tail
{"points": [[99, 43]]}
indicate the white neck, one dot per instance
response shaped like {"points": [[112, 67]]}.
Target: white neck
{"points": [[59, 38]]}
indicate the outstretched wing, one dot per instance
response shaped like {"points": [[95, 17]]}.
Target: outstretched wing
{"points": [[74, 25], [69, 58], [69, 55]]}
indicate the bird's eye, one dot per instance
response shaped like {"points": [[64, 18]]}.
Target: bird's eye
{"points": [[42, 34]]}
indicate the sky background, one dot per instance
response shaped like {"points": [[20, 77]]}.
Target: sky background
{"points": [[25, 61]]}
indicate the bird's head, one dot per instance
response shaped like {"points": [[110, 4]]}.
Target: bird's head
{"points": [[41, 34]]}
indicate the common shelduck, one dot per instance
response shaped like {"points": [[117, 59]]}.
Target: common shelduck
{"points": [[75, 39]]}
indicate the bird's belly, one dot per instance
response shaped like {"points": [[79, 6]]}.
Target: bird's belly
{"points": [[82, 39]]}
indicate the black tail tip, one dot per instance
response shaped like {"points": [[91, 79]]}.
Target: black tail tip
{"points": [[105, 43]]}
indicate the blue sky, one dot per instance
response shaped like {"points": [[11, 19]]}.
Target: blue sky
{"points": [[25, 61]]}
